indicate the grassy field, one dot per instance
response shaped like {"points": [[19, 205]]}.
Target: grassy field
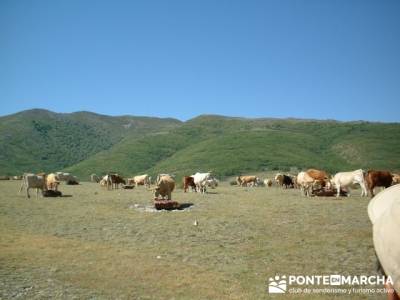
{"points": [[96, 245]]}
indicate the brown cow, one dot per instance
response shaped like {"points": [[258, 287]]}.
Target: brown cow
{"points": [[378, 178], [116, 180], [319, 175], [188, 181]]}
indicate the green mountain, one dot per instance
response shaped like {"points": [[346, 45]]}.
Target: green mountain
{"points": [[85, 143], [229, 146], [39, 140]]}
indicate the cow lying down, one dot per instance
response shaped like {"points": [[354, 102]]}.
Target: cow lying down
{"points": [[51, 193], [322, 192], [328, 193], [166, 204]]}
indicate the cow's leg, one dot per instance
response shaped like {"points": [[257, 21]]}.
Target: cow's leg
{"points": [[27, 192], [337, 190], [371, 190], [22, 186], [363, 189]]}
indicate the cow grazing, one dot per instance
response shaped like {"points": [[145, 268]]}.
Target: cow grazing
{"points": [[116, 180], [52, 182], [94, 178], [200, 180], [378, 178], [246, 180], [32, 181], [320, 176], [164, 188], [347, 179], [141, 180], [188, 181]]}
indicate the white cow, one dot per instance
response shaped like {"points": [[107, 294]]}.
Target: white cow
{"points": [[106, 182], [347, 179], [200, 180], [32, 181]]}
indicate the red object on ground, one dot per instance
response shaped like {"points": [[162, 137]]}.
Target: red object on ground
{"points": [[166, 204]]}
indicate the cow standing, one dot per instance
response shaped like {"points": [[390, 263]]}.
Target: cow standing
{"points": [[188, 181], [32, 181], [378, 178], [246, 180], [164, 187], [347, 179], [200, 180]]}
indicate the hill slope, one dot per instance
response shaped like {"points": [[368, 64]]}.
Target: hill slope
{"points": [[229, 146], [40, 140]]}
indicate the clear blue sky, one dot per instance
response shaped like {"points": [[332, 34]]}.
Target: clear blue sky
{"points": [[309, 59]]}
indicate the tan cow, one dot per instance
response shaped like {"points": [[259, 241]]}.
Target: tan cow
{"points": [[246, 180], [141, 180], [52, 182], [305, 183], [164, 188]]}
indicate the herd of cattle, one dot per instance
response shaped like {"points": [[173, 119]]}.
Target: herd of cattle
{"points": [[311, 182], [164, 183], [320, 183]]}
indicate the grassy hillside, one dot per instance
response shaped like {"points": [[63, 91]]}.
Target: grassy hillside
{"points": [[229, 146], [85, 143], [40, 140]]}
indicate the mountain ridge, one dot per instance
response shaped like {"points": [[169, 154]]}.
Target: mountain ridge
{"points": [[84, 142]]}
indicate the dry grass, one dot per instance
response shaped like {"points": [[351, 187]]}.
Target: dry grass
{"points": [[93, 245]]}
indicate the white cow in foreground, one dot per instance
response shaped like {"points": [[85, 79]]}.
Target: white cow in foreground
{"points": [[347, 179], [200, 180], [32, 181]]}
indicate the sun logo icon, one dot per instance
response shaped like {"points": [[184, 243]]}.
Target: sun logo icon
{"points": [[277, 285]]}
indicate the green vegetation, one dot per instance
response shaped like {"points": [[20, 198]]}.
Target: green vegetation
{"points": [[85, 143], [40, 140]]}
